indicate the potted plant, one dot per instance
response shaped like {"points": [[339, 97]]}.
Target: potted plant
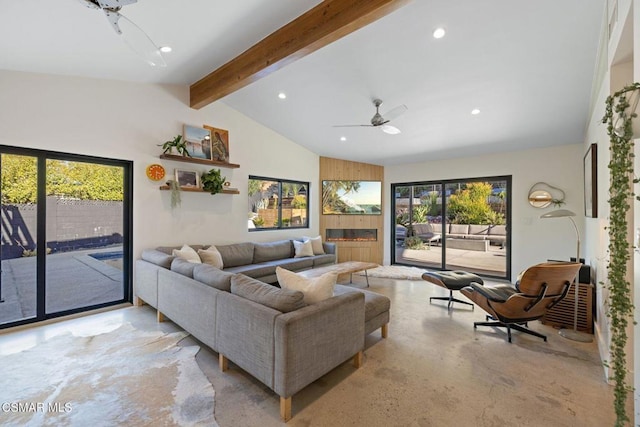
{"points": [[175, 192], [176, 143], [619, 117], [212, 181]]}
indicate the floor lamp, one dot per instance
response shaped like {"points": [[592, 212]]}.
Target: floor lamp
{"points": [[573, 335]]}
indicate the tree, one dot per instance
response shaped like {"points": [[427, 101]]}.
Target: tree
{"points": [[77, 180], [470, 205], [331, 202]]}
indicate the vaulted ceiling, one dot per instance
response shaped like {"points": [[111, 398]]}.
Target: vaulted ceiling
{"points": [[527, 66]]}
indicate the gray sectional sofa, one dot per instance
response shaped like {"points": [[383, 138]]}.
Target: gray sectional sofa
{"points": [[267, 331]]}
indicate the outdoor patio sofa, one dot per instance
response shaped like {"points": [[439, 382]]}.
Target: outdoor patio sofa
{"points": [[496, 234], [267, 331]]}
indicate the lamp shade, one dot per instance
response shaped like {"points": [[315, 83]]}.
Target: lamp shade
{"points": [[560, 213]]}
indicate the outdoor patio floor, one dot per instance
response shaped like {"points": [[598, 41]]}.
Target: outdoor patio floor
{"points": [[74, 279], [492, 262]]}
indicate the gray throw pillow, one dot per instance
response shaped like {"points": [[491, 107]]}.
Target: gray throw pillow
{"points": [[236, 254], [158, 258], [212, 276], [282, 300], [182, 266]]}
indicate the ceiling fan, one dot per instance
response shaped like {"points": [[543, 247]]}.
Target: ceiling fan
{"points": [[131, 34], [382, 121]]}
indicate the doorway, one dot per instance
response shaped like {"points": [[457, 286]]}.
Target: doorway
{"points": [[65, 234], [454, 225]]}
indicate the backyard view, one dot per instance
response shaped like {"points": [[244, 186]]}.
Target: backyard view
{"points": [[453, 225], [82, 236], [277, 204]]}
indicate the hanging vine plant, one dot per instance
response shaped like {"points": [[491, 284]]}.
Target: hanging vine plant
{"points": [[619, 116]]}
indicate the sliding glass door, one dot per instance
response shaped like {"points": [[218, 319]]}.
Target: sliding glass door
{"points": [[454, 225], [66, 243]]}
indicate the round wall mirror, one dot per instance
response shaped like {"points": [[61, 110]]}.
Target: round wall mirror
{"points": [[540, 198]]}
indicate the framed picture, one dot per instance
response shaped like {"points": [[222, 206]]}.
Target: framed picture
{"points": [[591, 181], [198, 141], [351, 197], [187, 178], [219, 144]]}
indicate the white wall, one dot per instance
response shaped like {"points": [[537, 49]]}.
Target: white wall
{"points": [[126, 121], [534, 240]]}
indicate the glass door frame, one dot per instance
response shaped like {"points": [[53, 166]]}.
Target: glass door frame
{"points": [[41, 235], [443, 183]]}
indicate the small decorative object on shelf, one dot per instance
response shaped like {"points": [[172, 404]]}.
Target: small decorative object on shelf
{"points": [[219, 144], [198, 142], [175, 192], [178, 143], [213, 181]]}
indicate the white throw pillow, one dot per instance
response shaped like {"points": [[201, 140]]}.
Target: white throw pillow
{"points": [[316, 243], [303, 249], [315, 290], [211, 256], [187, 253]]}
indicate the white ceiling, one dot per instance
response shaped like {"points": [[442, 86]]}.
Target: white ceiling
{"points": [[527, 65]]}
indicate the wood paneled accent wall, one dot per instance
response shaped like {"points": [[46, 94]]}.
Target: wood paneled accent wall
{"points": [[336, 169]]}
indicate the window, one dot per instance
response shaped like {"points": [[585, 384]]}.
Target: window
{"points": [[461, 224], [277, 203], [66, 234]]}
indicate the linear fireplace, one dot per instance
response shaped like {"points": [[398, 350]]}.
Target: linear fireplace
{"points": [[351, 235]]}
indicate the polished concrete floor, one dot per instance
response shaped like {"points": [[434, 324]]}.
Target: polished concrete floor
{"points": [[434, 369]]}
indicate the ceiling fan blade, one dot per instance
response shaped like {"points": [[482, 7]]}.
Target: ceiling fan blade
{"points": [[136, 39], [395, 112], [89, 4], [391, 130], [112, 4]]}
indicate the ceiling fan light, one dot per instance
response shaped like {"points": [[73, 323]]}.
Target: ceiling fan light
{"points": [[391, 130]]}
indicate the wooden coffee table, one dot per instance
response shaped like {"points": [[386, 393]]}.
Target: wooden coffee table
{"points": [[348, 267]]}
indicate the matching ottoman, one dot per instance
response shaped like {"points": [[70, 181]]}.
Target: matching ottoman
{"points": [[453, 281], [376, 309]]}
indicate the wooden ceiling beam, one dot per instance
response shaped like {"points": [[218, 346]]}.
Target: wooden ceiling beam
{"points": [[320, 26]]}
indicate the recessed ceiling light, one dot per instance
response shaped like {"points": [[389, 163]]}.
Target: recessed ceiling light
{"points": [[475, 111], [439, 33], [343, 138], [282, 95], [165, 49]]}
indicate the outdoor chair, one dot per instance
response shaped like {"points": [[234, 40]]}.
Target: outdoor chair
{"points": [[540, 288]]}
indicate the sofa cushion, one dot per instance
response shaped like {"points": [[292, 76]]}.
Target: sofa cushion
{"points": [[478, 230], [303, 249], [236, 254], [157, 257], [271, 251], [254, 270], [458, 228], [182, 266], [169, 249], [212, 276], [316, 243], [319, 260], [283, 300], [211, 256], [187, 253], [498, 230], [314, 289], [294, 264]]}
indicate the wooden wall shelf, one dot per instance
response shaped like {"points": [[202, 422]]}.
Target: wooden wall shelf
{"points": [[199, 161], [200, 190]]}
